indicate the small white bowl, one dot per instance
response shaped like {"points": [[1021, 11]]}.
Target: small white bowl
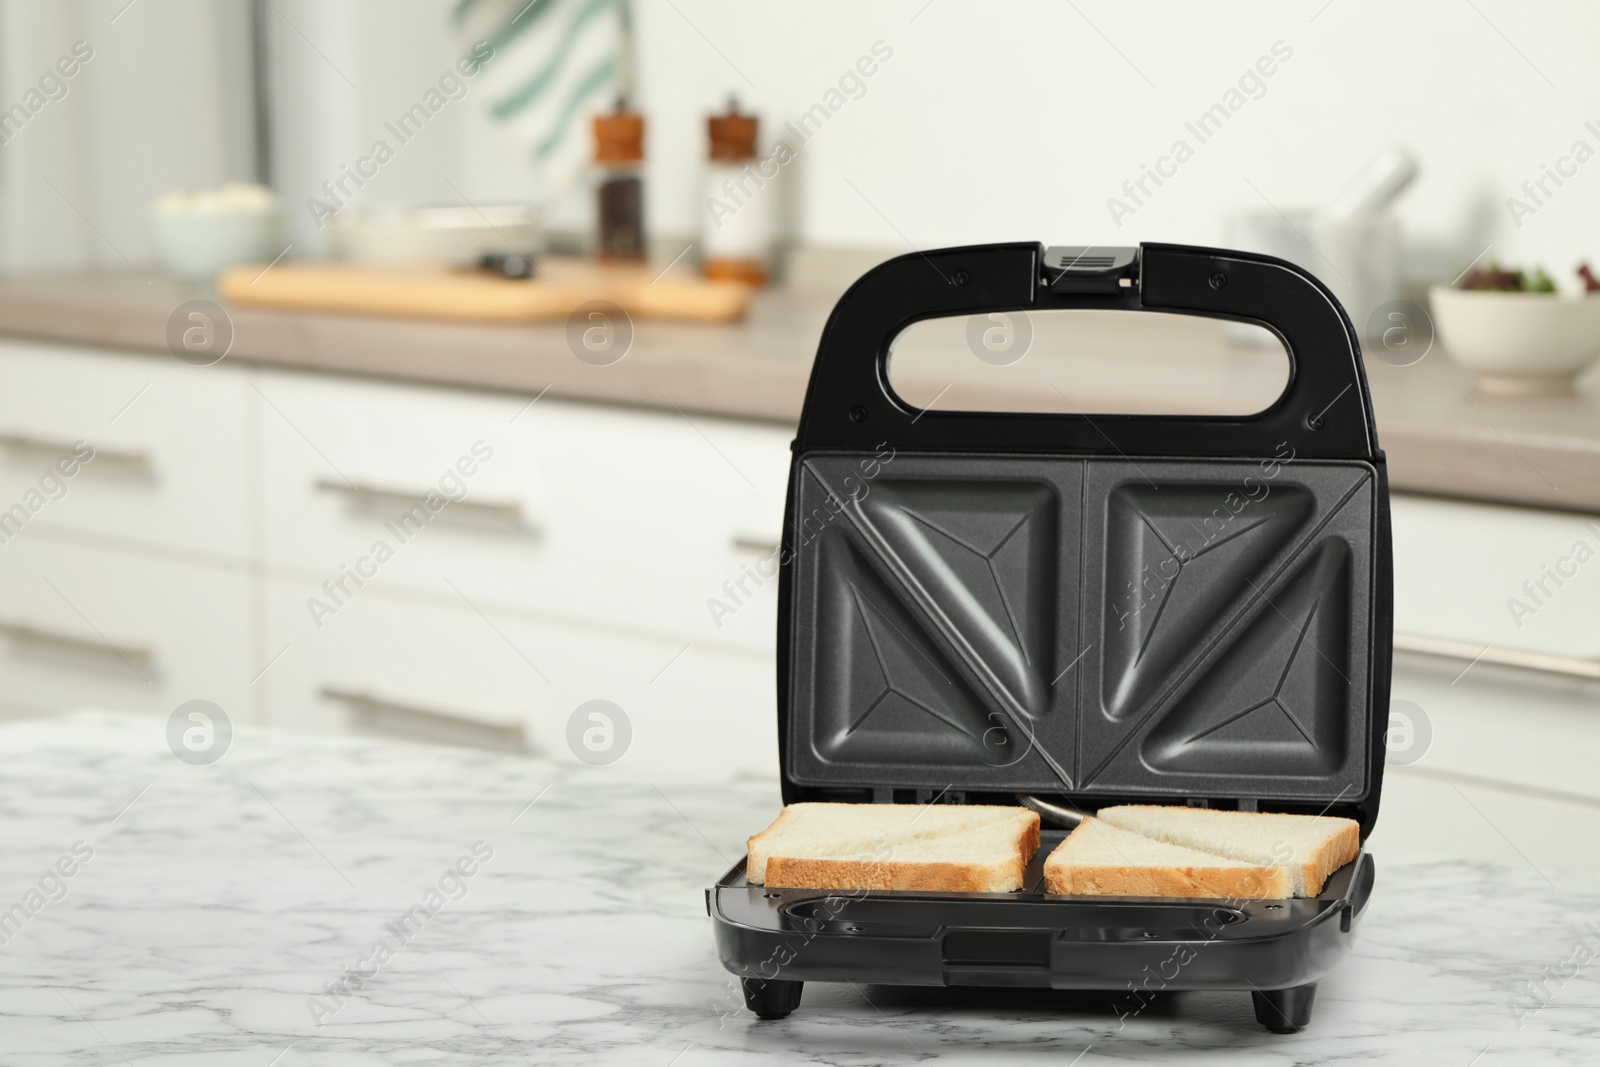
{"points": [[457, 233], [199, 235], [1518, 343]]}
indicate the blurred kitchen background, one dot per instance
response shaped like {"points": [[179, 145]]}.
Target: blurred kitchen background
{"points": [[616, 480], [968, 135]]}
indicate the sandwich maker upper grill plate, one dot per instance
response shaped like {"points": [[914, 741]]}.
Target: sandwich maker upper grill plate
{"points": [[1086, 609]]}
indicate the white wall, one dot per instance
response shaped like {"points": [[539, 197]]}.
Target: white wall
{"points": [[989, 122], [1019, 120]]}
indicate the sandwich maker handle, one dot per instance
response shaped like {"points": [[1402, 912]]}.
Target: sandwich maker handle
{"points": [[1324, 412]]}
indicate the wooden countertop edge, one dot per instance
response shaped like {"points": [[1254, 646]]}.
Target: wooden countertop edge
{"points": [[1565, 477], [1481, 463], [660, 377]]}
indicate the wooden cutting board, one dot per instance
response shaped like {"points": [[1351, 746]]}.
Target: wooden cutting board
{"points": [[438, 291]]}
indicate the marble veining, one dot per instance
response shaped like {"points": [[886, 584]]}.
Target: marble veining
{"points": [[222, 904]]}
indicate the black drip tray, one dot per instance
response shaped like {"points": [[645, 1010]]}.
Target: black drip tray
{"points": [[1095, 920]]}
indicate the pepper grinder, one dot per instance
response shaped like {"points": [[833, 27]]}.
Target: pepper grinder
{"points": [[619, 154], [736, 229]]}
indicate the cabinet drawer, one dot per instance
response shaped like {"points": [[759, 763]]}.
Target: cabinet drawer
{"points": [[89, 627], [391, 664], [1501, 725], [169, 443], [671, 523], [619, 517], [1509, 576]]}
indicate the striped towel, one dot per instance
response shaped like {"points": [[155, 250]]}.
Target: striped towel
{"points": [[556, 64]]}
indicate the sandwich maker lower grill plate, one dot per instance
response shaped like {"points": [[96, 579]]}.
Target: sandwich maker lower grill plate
{"points": [[776, 939], [1090, 609]]}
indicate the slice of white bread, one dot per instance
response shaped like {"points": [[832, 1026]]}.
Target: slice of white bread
{"points": [[1101, 860], [1310, 846], [966, 848]]}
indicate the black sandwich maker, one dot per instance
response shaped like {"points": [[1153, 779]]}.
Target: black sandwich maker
{"points": [[1075, 611]]}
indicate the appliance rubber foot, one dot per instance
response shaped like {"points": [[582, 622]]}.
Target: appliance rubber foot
{"points": [[771, 998], [1284, 1011]]}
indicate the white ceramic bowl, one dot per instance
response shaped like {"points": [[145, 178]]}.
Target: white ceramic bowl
{"points": [[457, 233], [1518, 343], [199, 235]]}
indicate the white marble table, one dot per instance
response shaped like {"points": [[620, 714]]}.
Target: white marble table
{"points": [[220, 901]]}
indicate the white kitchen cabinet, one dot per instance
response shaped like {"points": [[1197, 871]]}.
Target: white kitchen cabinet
{"points": [[1461, 568], [596, 534], [85, 626], [1521, 728], [586, 548], [1505, 771], [171, 456], [665, 513], [1506, 767], [395, 664], [624, 517]]}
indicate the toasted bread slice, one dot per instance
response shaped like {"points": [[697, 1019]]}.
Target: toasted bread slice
{"points": [[1099, 859], [1310, 846], [968, 848]]}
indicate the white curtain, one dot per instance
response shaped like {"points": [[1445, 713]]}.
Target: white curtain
{"points": [[167, 101], [162, 101], [342, 73]]}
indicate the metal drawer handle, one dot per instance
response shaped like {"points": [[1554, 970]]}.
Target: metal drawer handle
{"points": [[137, 463], [764, 545], [1466, 652], [382, 715], [501, 515], [30, 639]]}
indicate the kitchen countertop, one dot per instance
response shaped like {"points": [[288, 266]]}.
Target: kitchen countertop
{"points": [[1441, 437], [219, 902]]}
